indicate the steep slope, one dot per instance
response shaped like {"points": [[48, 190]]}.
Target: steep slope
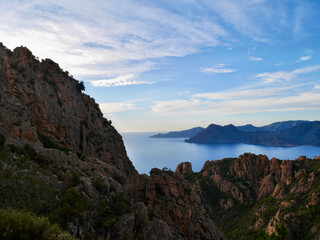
{"points": [[60, 158], [39, 98], [251, 197], [179, 134]]}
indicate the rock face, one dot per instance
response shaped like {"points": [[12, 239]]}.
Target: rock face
{"points": [[184, 168], [256, 170], [40, 98], [170, 198], [251, 193], [60, 158]]}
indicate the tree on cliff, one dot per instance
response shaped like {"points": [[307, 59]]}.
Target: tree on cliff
{"points": [[81, 87]]}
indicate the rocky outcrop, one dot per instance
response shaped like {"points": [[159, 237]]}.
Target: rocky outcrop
{"points": [[184, 168], [40, 98], [170, 198], [252, 195], [256, 171]]}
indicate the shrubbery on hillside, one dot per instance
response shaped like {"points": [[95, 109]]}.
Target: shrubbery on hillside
{"points": [[22, 225]]}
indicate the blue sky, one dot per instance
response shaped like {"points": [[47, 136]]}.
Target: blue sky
{"points": [[172, 65]]}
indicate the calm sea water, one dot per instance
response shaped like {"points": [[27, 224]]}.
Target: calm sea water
{"points": [[147, 153]]}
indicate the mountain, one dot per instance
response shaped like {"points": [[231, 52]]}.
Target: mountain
{"points": [[273, 127], [252, 197], [220, 134], [62, 160], [179, 134], [302, 134]]}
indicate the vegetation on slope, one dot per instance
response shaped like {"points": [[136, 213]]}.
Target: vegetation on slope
{"points": [[292, 211]]}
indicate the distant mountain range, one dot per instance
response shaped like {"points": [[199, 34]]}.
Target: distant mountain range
{"points": [[179, 134], [273, 127], [286, 133], [300, 133]]}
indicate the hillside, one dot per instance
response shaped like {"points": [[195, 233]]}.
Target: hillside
{"points": [[61, 159], [252, 197], [273, 127], [179, 134]]}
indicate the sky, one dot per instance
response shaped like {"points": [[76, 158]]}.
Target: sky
{"points": [[156, 66]]}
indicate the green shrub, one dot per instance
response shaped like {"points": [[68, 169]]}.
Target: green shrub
{"points": [[31, 152], [106, 217], [48, 143], [121, 205], [22, 225], [75, 179], [70, 207], [282, 233], [99, 184]]}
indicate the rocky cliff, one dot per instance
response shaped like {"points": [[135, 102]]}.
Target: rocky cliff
{"points": [[40, 98], [60, 158], [251, 197]]}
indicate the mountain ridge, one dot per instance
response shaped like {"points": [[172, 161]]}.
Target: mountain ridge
{"points": [[302, 134], [179, 134]]}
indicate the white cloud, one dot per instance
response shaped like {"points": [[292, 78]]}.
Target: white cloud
{"points": [[104, 33], [175, 106], [245, 94], [124, 80], [255, 58], [116, 107], [219, 68], [270, 77], [195, 107], [305, 58]]}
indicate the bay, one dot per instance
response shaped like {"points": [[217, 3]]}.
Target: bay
{"points": [[147, 153]]}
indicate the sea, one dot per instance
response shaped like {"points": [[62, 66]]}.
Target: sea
{"points": [[147, 153]]}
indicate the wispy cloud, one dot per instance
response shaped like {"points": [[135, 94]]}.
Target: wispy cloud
{"points": [[101, 33], [245, 94], [255, 58], [116, 107], [220, 68], [256, 19], [270, 77], [304, 58], [124, 80], [193, 107]]}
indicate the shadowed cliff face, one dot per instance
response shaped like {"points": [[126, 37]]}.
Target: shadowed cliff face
{"points": [[39, 97]]}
